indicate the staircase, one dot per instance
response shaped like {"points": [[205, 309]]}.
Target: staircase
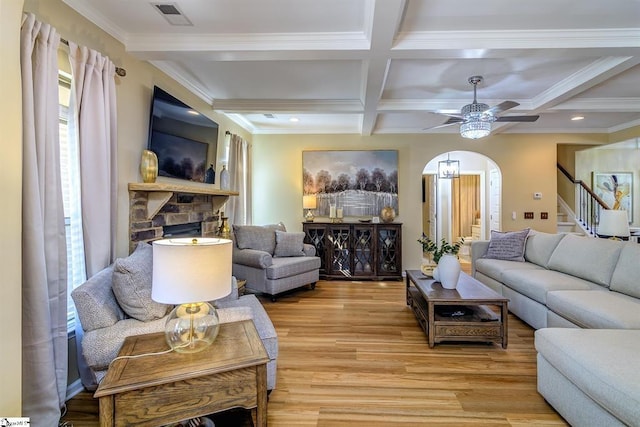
{"points": [[566, 219]]}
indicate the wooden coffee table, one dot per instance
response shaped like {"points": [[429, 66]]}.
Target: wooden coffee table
{"points": [[164, 389], [461, 314]]}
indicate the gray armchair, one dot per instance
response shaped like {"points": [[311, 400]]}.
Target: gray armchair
{"points": [[106, 324], [272, 260]]}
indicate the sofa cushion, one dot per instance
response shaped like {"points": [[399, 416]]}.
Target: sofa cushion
{"points": [[540, 246], [626, 276], [132, 277], [286, 267], [602, 363], [494, 268], [586, 257], [536, 283], [596, 309], [258, 237], [508, 246], [289, 244], [95, 302]]}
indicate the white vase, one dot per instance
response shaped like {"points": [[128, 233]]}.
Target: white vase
{"points": [[449, 271], [436, 275]]}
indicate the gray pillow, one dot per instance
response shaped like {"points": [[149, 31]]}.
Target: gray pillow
{"points": [[132, 285], [289, 244], [258, 237], [508, 246]]}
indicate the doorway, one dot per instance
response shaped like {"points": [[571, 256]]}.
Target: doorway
{"points": [[467, 206]]}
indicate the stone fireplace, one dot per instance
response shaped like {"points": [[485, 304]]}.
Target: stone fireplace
{"points": [[156, 209]]}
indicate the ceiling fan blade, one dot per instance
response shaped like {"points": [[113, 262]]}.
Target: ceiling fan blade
{"points": [[517, 119], [503, 106], [453, 120], [448, 123]]}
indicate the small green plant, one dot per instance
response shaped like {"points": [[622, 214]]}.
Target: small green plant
{"points": [[437, 252]]}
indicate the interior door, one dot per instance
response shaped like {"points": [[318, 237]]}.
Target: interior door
{"points": [[429, 205], [495, 197]]}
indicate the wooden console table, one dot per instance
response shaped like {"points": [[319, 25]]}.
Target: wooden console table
{"points": [[163, 389]]}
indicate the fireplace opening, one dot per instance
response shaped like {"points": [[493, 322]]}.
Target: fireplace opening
{"points": [[190, 229]]}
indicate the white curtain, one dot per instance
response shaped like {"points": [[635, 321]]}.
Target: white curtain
{"points": [[44, 264], [239, 207], [93, 118], [93, 122]]}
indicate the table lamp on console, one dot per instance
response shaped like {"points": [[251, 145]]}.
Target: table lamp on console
{"points": [[189, 272], [613, 224]]}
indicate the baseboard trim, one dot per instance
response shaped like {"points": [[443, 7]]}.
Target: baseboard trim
{"points": [[74, 388]]}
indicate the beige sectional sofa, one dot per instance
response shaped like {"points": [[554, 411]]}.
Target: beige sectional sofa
{"points": [[583, 296]]}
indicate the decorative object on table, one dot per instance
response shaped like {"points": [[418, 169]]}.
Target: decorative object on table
{"points": [[613, 224], [224, 178], [309, 202], [189, 272], [362, 182], [149, 166], [387, 214], [449, 169], [224, 230], [616, 190], [435, 253], [336, 214], [428, 264], [448, 271], [210, 175]]}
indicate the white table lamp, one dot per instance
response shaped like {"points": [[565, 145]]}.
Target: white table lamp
{"points": [[309, 202], [189, 272], [613, 224]]}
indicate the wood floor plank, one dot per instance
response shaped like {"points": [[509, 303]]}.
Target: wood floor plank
{"points": [[352, 353]]}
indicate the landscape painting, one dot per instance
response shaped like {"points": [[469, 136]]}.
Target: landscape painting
{"points": [[360, 182]]}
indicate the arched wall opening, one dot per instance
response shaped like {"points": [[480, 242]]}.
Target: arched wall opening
{"points": [[468, 206]]}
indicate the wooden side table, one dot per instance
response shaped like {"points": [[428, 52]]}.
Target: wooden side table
{"points": [[162, 389]]}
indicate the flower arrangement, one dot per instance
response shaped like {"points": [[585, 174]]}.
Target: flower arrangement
{"points": [[429, 246]]}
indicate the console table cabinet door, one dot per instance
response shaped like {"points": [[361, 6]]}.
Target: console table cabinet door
{"points": [[365, 251]]}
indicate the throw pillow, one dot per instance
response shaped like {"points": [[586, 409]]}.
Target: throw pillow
{"points": [[289, 244], [258, 237], [131, 285], [508, 246]]}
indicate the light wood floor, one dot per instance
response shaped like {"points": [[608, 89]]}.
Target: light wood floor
{"points": [[352, 353]]}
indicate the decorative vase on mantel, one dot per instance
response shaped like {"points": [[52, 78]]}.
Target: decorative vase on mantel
{"points": [[149, 166], [448, 271]]}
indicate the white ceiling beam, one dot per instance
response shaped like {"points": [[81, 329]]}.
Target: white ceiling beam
{"points": [[288, 106]]}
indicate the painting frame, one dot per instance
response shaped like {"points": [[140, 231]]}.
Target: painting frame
{"points": [[360, 182], [615, 189]]}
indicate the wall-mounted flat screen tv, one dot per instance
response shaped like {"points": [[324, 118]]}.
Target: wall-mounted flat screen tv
{"points": [[182, 138]]}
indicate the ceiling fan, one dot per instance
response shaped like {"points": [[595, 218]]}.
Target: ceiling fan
{"points": [[475, 119]]}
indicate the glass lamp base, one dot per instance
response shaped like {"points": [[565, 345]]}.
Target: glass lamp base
{"points": [[192, 327]]}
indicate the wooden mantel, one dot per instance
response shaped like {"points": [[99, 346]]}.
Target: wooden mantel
{"points": [[159, 193]]}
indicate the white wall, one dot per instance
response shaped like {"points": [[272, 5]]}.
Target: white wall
{"points": [[612, 160]]}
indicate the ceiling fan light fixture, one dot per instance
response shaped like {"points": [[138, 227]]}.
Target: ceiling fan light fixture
{"points": [[475, 129]]}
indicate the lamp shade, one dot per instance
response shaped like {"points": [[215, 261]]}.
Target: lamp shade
{"points": [[309, 201], [188, 270], [613, 223]]}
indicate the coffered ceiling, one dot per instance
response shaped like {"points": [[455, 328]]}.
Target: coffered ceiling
{"points": [[390, 66]]}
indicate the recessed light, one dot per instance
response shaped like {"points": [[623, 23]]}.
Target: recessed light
{"points": [[294, 119], [575, 118]]}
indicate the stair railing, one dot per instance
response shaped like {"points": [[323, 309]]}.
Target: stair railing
{"points": [[589, 204]]}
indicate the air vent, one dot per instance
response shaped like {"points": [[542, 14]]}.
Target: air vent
{"points": [[269, 116], [172, 14]]}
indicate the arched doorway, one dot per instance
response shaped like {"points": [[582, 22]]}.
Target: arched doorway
{"points": [[468, 206]]}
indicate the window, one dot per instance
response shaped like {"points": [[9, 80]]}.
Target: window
{"points": [[70, 172]]}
